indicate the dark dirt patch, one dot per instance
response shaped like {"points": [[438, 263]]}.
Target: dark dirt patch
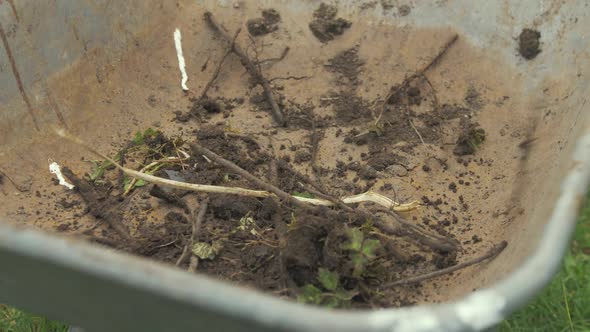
{"points": [[348, 106], [347, 65], [405, 10], [268, 23], [529, 43], [473, 99], [325, 25]]}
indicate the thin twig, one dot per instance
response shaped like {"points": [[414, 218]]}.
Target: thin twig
{"points": [[3, 174], [416, 130], [228, 51], [197, 221], [250, 67], [296, 78], [197, 148], [283, 55], [492, 253], [419, 73], [194, 262], [430, 240]]}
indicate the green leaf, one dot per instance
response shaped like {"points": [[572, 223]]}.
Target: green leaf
{"points": [[328, 279], [204, 250], [140, 137], [332, 303], [356, 237], [97, 171], [359, 261], [310, 294], [369, 248], [304, 194]]}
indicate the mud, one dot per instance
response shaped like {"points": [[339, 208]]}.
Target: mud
{"points": [[529, 44], [325, 25], [265, 24]]}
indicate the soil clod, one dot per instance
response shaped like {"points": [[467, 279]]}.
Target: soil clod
{"points": [[265, 24], [325, 25], [529, 44]]}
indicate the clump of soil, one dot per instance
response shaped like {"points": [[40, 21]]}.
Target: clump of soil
{"points": [[404, 10], [268, 23], [201, 108], [529, 44], [469, 140], [325, 25]]}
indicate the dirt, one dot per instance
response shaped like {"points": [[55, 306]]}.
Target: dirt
{"points": [[325, 26], [332, 141], [266, 24], [529, 44]]}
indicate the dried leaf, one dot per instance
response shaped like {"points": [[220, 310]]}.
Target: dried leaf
{"points": [[204, 250]]}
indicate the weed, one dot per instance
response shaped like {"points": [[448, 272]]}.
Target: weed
{"points": [[332, 295], [361, 250]]}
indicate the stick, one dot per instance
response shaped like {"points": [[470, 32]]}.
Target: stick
{"points": [[492, 253], [3, 174], [250, 67], [419, 73], [430, 240], [196, 227], [416, 130], [218, 69], [243, 173], [99, 207], [368, 196]]}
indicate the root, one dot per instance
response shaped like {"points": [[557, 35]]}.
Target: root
{"points": [[365, 197], [277, 113], [491, 254]]}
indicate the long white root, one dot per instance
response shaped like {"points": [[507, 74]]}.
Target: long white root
{"points": [[368, 196]]}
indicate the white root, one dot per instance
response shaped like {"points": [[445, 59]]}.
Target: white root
{"points": [[54, 168], [368, 196], [181, 62]]}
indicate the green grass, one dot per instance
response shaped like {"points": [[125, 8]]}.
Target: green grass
{"points": [[563, 306], [13, 320]]}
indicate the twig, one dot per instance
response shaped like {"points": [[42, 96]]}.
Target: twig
{"points": [[283, 55], [416, 130], [197, 221], [296, 78], [194, 262], [419, 73], [3, 174], [197, 148], [219, 65], [98, 206], [492, 253], [430, 240], [368, 196], [250, 67]]}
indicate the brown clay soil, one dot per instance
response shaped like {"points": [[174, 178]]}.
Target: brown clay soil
{"points": [[439, 139]]}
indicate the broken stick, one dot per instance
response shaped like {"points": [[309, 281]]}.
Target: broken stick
{"points": [[245, 174], [492, 253], [250, 67], [219, 65], [197, 221], [419, 73]]}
